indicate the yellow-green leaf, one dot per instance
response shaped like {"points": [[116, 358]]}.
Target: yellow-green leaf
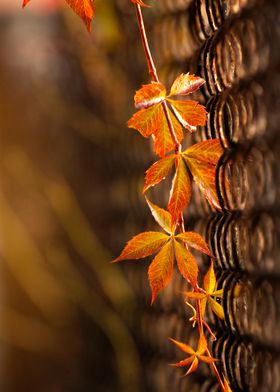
{"points": [[210, 279], [217, 308]]}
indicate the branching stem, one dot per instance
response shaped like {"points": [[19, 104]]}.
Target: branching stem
{"points": [[177, 149], [154, 75]]}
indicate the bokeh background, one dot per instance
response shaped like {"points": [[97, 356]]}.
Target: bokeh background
{"points": [[69, 173]]}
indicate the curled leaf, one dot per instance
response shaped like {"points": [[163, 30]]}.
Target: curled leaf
{"points": [[162, 217], [186, 84], [149, 95]]}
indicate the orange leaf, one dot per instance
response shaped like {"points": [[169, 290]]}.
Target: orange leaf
{"points": [[186, 84], [205, 177], [158, 171], [142, 245], [203, 304], [208, 151], [194, 240], [189, 113], [217, 308], [162, 136], [180, 193], [218, 293], [206, 359], [85, 10], [193, 366], [184, 347], [25, 2], [161, 270], [194, 294], [210, 279], [149, 95], [162, 217], [184, 362], [186, 263], [147, 121], [202, 345]]}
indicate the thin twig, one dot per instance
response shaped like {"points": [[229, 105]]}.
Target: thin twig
{"points": [[154, 75]]}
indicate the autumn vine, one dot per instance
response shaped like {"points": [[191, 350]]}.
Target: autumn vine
{"points": [[163, 116]]}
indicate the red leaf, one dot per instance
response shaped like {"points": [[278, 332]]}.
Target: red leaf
{"points": [[186, 263], [180, 193], [189, 113], [149, 95], [142, 245], [147, 121], [195, 241], [25, 2], [158, 171], [186, 84], [208, 151], [162, 217], [85, 10], [161, 270]]}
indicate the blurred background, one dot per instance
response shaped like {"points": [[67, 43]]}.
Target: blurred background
{"points": [[66, 157]]}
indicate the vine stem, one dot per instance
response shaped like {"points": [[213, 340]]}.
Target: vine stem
{"points": [[154, 75], [177, 149]]}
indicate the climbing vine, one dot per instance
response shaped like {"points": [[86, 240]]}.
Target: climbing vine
{"points": [[165, 116]]}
